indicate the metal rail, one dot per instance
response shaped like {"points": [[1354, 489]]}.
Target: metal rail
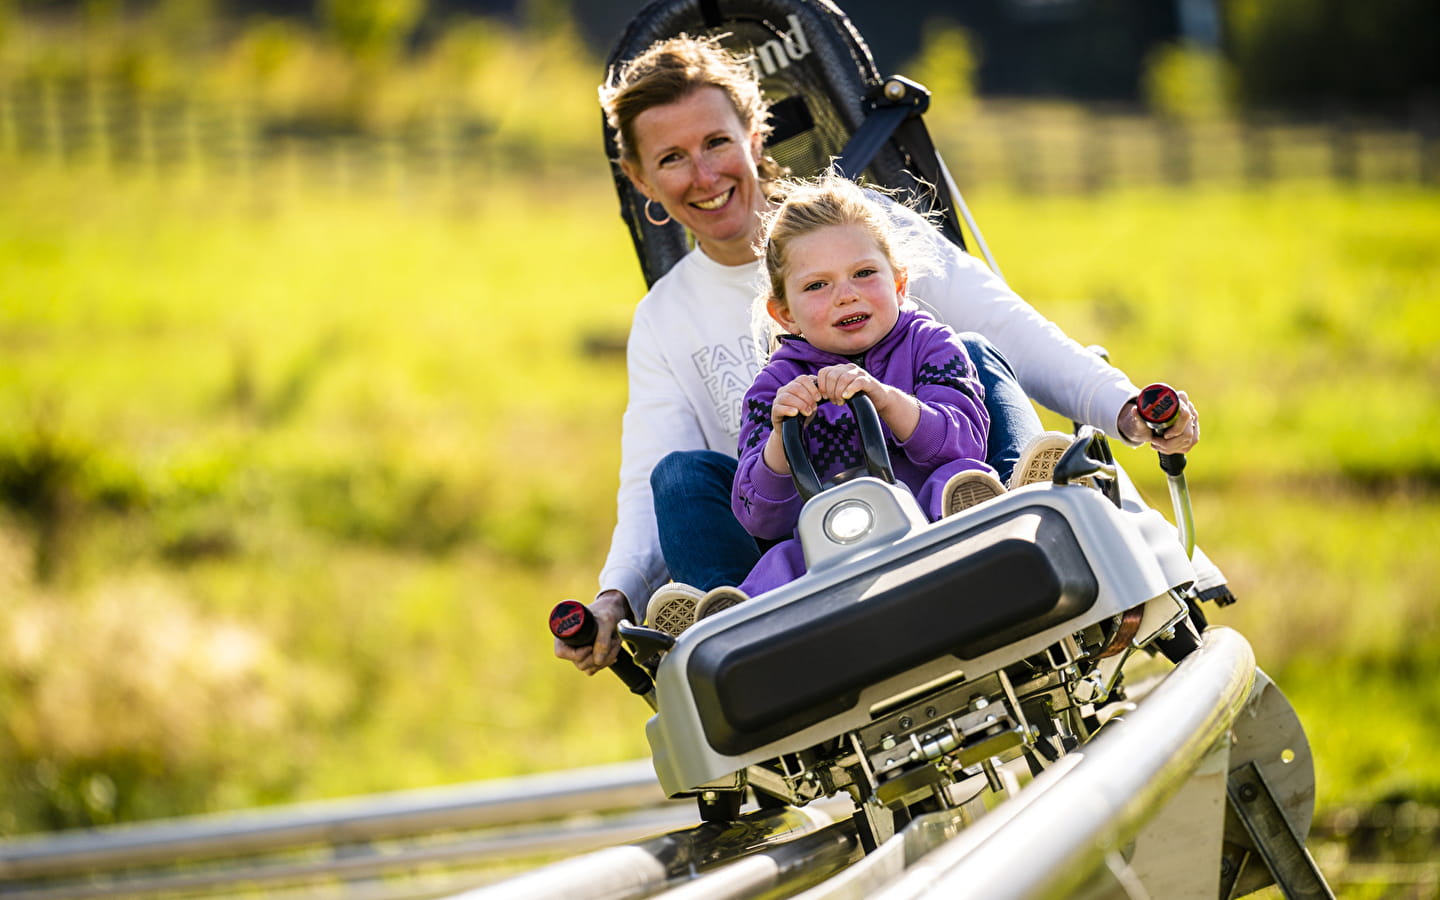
{"points": [[770, 845], [1050, 839], [104, 861], [1055, 836], [1064, 827]]}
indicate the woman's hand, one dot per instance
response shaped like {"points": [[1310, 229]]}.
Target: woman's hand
{"points": [[1180, 437], [608, 609]]}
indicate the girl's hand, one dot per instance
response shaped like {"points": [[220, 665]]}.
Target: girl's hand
{"points": [[895, 408], [839, 383], [798, 398]]}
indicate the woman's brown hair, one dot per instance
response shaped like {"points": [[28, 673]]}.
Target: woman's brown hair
{"points": [[671, 70]]}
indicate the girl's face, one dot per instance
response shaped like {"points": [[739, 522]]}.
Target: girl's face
{"points": [[698, 160], [842, 294]]}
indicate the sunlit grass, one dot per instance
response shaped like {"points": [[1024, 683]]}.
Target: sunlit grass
{"points": [[355, 433], [1299, 317]]}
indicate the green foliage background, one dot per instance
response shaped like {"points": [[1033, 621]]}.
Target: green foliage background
{"points": [[290, 471]]}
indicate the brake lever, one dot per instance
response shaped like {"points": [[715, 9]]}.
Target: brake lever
{"points": [[1158, 406], [1077, 463], [573, 624]]}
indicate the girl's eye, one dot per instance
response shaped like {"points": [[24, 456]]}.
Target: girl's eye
{"points": [[866, 272], [814, 286]]}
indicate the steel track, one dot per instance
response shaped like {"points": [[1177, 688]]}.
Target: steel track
{"points": [[1054, 834]]}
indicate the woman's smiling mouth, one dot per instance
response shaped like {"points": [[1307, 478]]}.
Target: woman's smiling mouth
{"points": [[714, 202]]}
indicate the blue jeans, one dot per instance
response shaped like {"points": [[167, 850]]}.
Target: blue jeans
{"points": [[705, 546], [1013, 421], [703, 543]]}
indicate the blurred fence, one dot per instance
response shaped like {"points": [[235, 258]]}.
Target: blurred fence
{"points": [[95, 125], [1030, 148], [1066, 150]]}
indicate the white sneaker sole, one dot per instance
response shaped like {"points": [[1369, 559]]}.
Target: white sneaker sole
{"points": [[672, 609], [1037, 461], [967, 489]]}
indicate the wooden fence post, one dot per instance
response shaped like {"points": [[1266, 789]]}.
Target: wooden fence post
{"points": [[97, 123], [1427, 133], [1344, 154], [9, 128], [1095, 152], [1175, 152], [145, 139], [1259, 155], [53, 126]]}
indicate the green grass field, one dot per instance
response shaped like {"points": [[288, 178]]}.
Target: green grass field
{"points": [[289, 476]]}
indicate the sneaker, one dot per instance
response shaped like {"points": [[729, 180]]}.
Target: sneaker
{"points": [[971, 487], [1037, 461], [718, 600], [672, 608]]}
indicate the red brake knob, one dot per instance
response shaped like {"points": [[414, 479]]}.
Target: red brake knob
{"points": [[571, 622], [1158, 405]]}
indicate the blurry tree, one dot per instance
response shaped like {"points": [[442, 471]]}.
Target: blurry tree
{"points": [[370, 34], [265, 50], [545, 16], [371, 29], [460, 70], [946, 65], [188, 27], [1383, 56], [294, 76], [1188, 82]]}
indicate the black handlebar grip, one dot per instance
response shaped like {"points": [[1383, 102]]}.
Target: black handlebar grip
{"points": [[1158, 406], [572, 623], [872, 443]]}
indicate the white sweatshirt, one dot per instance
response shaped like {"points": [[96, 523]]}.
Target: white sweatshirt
{"points": [[692, 355]]}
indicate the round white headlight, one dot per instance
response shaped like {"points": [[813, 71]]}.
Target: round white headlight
{"points": [[849, 521]]}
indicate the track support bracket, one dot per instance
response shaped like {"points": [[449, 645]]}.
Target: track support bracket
{"points": [[1283, 851]]}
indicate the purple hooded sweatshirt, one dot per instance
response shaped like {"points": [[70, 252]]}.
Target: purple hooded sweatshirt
{"points": [[919, 356]]}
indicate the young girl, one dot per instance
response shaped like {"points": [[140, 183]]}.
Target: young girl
{"points": [[837, 277]]}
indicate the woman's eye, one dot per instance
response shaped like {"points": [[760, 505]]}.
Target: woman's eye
{"points": [[669, 158], [719, 141]]}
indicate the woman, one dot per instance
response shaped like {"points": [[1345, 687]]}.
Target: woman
{"points": [[691, 126]]}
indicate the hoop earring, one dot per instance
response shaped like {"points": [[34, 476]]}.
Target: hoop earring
{"points": [[650, 217]]}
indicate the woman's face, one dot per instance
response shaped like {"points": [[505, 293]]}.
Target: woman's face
{"points": [[698, 160], [841, 293]]}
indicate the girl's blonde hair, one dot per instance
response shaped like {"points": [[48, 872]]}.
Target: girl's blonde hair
{"points": [[669, 71], [908, 243], [831, 199]]}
